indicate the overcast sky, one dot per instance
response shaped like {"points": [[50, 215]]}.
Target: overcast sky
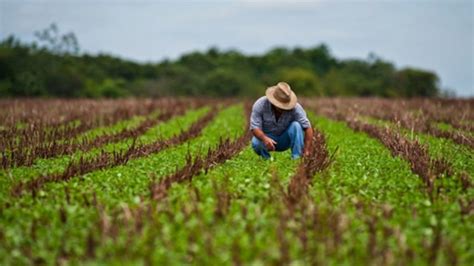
{"points": [[433, 35]]}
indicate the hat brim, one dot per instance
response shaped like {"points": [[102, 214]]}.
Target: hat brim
{"points": [[285, 106]]}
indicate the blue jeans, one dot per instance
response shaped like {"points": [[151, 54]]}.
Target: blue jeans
{"points": [[292, 137]]}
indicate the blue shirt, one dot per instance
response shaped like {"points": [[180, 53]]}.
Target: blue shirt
{"points": [[262, 117]]}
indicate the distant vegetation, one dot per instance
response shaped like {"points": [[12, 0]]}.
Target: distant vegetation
{"points": [[53, 66]]}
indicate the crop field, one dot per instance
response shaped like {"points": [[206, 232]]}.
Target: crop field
{"points": [[175, 181]]}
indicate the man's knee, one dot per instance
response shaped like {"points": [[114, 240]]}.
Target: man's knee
{"points": [[295, 127], [256, 144], [259, 148]]}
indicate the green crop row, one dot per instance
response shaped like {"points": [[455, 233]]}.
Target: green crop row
{"points": [[368, 207], [231, 214], [449, 127], [380, 178], [460, 157], [63, 213], [163, 130], [215, 226]]}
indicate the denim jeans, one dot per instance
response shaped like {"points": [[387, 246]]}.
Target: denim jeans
{"points": [[292, 137]]}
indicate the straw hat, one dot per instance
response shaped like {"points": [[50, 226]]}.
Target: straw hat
{"points": [[281, 96]]}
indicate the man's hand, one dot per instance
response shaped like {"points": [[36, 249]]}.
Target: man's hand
{"points": [[269, 143], [306, 153]]}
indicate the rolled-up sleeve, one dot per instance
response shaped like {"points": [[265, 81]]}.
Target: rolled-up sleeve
{"points": [[301, 117], [256, 116]]}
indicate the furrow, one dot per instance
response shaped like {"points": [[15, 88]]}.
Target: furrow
{"points": [[224, 151], [417, 116], [111, 159], [45, 150], [22, 147], [421, 162], [413, 151], [309, 166]]}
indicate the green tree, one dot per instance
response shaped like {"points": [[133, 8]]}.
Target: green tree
{"points": [[52, 66], [302, 81], [55, 42], [411, 82], [226, 83]]}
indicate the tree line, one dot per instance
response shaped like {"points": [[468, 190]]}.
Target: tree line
{"points": [[52, 66]]}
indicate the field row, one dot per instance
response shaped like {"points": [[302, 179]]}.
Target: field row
{"points": [[189, 189]]}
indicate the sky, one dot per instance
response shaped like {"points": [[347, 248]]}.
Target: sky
{"points": [[435, 35]]}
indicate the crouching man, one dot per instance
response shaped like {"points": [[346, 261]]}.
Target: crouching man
{"points": [[278, 122]]}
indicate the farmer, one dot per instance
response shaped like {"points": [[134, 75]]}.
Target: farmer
{"points": [[278, 123]]}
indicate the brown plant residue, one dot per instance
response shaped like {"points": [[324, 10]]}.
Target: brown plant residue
{"points": [[111, 159], [316, 162], [418, 115], [415, 153], [225, 150], [21, 147]]}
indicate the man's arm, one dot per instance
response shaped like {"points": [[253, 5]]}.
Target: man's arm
{"points": [[256, 124], [269, 143], [308, 136]]}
